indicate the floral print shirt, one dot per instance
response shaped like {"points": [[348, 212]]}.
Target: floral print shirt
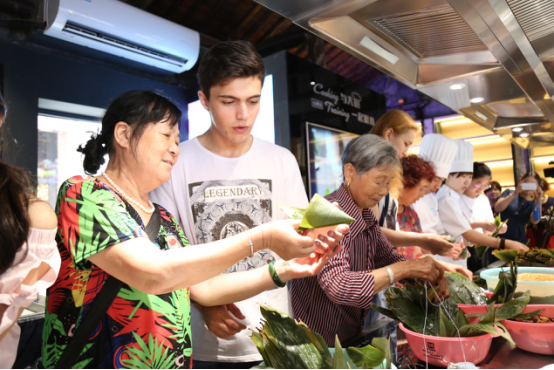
{"points": [[139, 330], [409, 221]]}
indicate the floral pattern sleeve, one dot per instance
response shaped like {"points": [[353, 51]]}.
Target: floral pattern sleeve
{"points": [[91, 219]]}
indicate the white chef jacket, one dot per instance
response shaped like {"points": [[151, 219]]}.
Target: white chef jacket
{"points": [[477, 210], [453, 219], [427, 209]]}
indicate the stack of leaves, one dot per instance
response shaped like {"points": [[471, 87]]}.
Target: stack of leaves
{"points": [[413, 306], [481, 249], [287, 344], [319, 213], [532, 258], [465, 291]]}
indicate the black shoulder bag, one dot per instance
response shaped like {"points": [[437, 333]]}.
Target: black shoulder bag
{"points": [[100, 306]]}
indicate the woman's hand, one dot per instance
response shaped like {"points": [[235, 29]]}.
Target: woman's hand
{"points": [[437, 244], [451, 267], [456, 250], [512, 244], [430, 270], [489, 227], [503, 229], [284, 240], [312, 265]]}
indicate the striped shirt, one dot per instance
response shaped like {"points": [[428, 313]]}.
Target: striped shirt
{"points": [[337, 300]]}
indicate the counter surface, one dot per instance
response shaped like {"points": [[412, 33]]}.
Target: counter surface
{"points": [[504, 355]]}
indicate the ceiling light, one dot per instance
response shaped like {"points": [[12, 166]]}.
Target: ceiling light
{"points": [[457, 86], [379, 50], [475, 100], [481, 115], [517, 129], [312, 83], [524, 134]]}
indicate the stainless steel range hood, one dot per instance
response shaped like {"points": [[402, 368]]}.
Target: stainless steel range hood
{"points": [[491, 60]]}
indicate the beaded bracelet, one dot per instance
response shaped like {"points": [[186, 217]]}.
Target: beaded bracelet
{"points": [[274, 275]]}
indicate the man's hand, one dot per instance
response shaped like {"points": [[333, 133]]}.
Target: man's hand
{"points": [[220, 321]]}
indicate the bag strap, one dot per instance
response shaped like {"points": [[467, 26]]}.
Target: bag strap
{"points": [[100, 306], [384, 211]]}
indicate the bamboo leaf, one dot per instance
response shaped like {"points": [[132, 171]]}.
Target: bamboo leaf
{"points": [[527, 316], [480, 251], [368, 356], [321, 213], [338, 360], [507, 255], [464, 254], [513, 307], [463, 290], [383, 345], [292, 212]]}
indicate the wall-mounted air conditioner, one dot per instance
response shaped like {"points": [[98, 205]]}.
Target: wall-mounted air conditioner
{"points": [[123, 30]]}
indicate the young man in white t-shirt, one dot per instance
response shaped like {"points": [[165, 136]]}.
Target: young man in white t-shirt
{"points": [[227, 181]]}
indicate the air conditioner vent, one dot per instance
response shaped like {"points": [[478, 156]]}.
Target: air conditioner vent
{"points": [[434, 31], [78, 30]]}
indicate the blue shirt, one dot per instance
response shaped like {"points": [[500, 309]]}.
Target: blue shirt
{"points": [[518, 213]]}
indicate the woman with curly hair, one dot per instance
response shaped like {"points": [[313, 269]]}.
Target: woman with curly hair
{"points": [[417, 177]]}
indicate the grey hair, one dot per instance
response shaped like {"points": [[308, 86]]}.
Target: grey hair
{"points": [[370, 151]]}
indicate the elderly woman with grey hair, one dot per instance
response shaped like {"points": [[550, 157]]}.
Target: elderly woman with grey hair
{"points": [[338, 298]]}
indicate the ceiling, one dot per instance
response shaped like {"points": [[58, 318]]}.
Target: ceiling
{"points": [[269, 32], [491, 60]]}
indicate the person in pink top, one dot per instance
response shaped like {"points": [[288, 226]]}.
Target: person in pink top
{"points": [[29, 257]]}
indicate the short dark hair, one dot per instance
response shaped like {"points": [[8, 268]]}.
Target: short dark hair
{"points": [[138, 109], [532, 174], [229, 60], [495, 184], [481, 170]]}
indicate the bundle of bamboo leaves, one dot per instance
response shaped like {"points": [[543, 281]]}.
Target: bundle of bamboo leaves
{"points": [[532, 258], [413, 305], [319, 213], [287, 344]]}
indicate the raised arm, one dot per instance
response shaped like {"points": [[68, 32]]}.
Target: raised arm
{"points": [[434, 243], [140, 263], [504, 201]]}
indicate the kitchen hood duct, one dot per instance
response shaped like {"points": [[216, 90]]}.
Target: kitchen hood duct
{"points": [[499, 52]]}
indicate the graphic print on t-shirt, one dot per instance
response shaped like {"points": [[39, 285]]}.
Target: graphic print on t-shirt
{"points": [[224, 208]]}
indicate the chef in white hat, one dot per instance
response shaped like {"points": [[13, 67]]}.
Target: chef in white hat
{"points": [[453, 219], [440, 151]]}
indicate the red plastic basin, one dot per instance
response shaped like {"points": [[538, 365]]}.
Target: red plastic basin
{"points": [[536, 338], [441, 351]]}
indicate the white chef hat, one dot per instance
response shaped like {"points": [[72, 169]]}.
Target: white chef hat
{"points": [[463, 162], [439, 150]]}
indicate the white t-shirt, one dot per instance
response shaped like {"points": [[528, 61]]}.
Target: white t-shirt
{"points": [[454, 221], [427, 209], [214, 197]]}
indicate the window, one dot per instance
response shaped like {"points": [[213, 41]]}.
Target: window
{"points": [[58, 159]]}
